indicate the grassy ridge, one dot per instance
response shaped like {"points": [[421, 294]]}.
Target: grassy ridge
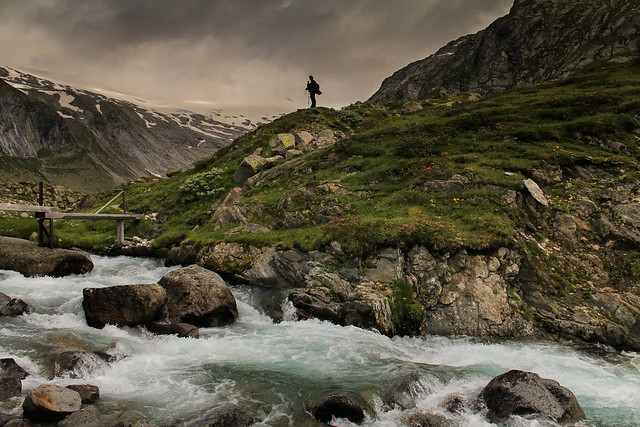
{"points": [[390, 162]]}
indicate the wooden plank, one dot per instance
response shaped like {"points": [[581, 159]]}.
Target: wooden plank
{"points": [[27, 208]]}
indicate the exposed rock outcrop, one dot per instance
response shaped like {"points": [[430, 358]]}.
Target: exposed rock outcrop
{"points": [[30, 259], [199, 297], [284, 146], [124, 305]]}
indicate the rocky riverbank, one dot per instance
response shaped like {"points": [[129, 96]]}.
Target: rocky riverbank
{"points": [[32, 260], [484, 294]]}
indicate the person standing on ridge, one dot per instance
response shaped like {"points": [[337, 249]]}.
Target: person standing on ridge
{"points": [[314, 89]]}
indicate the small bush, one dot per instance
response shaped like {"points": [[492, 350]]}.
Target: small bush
{"points": [[406, 312], [350, 117], [202, 185]]}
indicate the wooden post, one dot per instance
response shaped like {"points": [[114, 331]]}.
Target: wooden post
{"points": [[120, 231], [40, 215], [124, 205], [51, 233]]}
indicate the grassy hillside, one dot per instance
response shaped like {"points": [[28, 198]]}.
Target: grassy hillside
{"points": [[440, 177]]}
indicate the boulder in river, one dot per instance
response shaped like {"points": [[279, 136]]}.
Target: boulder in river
{"points": [[198, 296], [12, 306], [88, 393], [183, 330], [228, 415], [524, 393], [26, 257], [11, 376], [338, 405], [123, 305], [50, 403]]}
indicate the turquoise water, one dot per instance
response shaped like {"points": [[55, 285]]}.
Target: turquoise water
{"points": [[273, 370]]}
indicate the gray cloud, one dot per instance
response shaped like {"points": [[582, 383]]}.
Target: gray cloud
{"points": [[233, 52]]}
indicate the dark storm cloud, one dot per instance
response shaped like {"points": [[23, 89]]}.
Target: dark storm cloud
{"points": [[240, 51]]}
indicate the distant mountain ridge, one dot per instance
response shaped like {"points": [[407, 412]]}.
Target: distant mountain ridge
{"points": [[87, 140], [537, 41]]}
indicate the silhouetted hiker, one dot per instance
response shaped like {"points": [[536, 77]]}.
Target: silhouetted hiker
{"points": [[314, 88]]}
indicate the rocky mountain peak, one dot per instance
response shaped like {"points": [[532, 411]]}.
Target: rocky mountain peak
{"points": [[96, 139], [537, 41]]}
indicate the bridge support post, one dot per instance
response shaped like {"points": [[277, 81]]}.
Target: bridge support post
{"points": [[120, 231], [51, 242]]}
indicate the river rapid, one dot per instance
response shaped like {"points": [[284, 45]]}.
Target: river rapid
{"points": [[274, 369]]}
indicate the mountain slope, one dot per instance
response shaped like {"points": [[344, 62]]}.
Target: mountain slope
{"points": [[87, 141], [514, 215], [537, 41]]}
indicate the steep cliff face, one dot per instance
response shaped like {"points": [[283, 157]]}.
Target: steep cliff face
{"points": [[88, 141], [537, 41]]}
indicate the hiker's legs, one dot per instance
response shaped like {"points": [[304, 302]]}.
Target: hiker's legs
{"points": [[313, 100]]}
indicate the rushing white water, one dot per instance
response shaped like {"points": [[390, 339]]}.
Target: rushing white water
{"points": [[273, 370]]}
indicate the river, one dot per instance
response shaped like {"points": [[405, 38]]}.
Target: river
{"points": [[272, 370]]}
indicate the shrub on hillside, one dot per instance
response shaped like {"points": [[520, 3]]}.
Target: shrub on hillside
{"points": [[201, 185]]}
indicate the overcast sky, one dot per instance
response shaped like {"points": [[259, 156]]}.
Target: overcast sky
{"points": [[244, 52]]}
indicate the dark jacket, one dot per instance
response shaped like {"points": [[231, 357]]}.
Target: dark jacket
{"points": [[313, 87]]}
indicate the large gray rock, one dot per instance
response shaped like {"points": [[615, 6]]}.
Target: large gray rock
{"points": [[12, 306], [88, 416], [536, 192], [181, 255], [253, 164], [281, 143], [328, 296], [524, 393], [70, 362], [227, 258], [50, 403], [199, 297], [228, 415], [123, 305], [31, 260], [11, 376], [88, 393]]}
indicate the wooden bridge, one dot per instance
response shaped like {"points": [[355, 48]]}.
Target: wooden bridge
{"points": [[52, 212]]}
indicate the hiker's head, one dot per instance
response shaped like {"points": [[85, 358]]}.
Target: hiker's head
{"points": [[310, 77]]}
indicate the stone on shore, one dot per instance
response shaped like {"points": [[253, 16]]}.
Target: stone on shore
{"points": [[525, 393], [199, 297], [50, 403], [26, 257], [123, 305]]}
